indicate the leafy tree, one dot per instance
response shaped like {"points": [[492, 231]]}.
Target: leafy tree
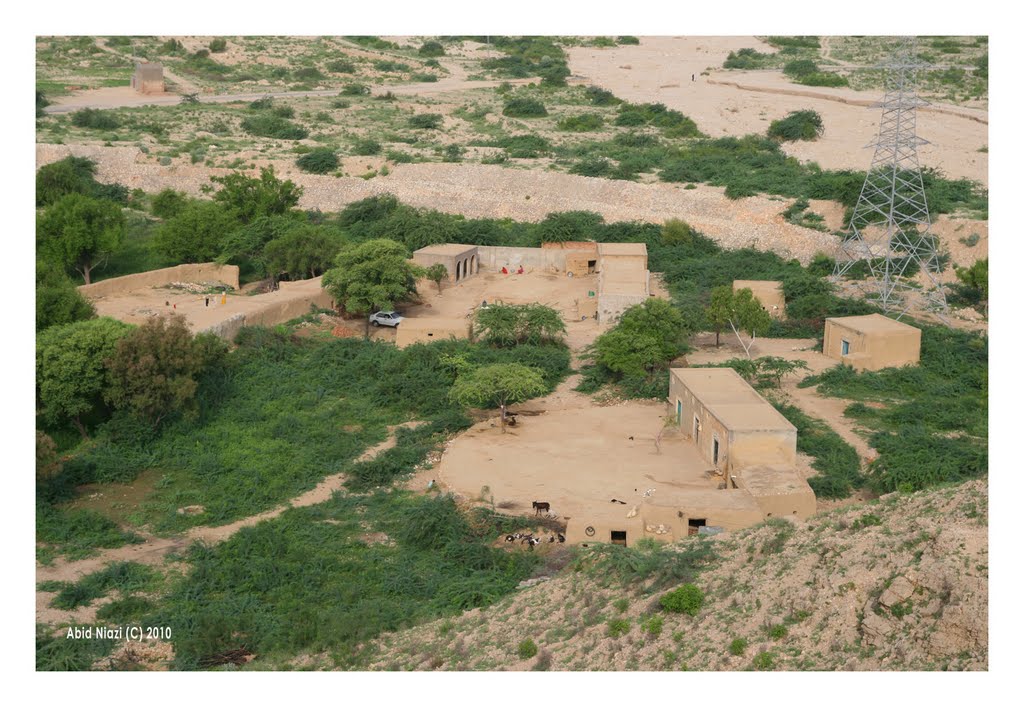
{"points": [[772, 369], [80, 232], [218, 45], [647, 337], [717, 310], [498, 385], [251, 197], [370, 276], [168, 203], [48, 463], [153, 371], [798, 125], [431, 48], [58, 301], [745, 314], [506, 325], [197, 233], [306, 250], [71, 175], [437, 272], [676, 232], [248, 243], [973, 285], [71, 372]]}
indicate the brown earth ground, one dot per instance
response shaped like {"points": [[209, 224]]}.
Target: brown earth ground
{"points": [[900, 584]]}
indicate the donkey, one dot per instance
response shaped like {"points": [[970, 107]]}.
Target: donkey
{"points": [[541, 506]]}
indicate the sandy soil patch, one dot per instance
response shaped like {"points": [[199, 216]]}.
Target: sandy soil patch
{"points": [[660, 69]]}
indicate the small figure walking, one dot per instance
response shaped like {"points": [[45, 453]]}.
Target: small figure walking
{"points": [[693, 77], [207, 301]]}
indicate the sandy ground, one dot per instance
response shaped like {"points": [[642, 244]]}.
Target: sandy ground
{"points": [[573, 459], [153, 550], [660, 69]]}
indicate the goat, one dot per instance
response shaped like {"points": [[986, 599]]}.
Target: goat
{"points": [[541, 506], [615, 500], [510, 538], [561, 538]]}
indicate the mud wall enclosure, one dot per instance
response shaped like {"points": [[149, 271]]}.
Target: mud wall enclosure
{"points": [[871, 342], [768, 292], [196, 272]]}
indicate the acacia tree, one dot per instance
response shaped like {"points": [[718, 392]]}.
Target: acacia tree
{"points": [[153, 371], [371, 275], [80, 232], [437, 272], [71, 371], [197, 233], [747, 315], [498, 385], [58, 301], [511, 324]]}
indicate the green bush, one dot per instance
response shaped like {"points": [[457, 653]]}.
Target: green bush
{"points": [[824, 78], [527, 649], [218, 45], [320, 160], [687, 599], [582, 123], [426, 121], [425, 78], [341, 66], [592, 167], [308, 73], [798, 125], [95, 119], [653, 625], [777, 631], [601, 97], [764, 661], [524, 108], [273, 126], [627, 39], [800, 68], [746, 59], [365, 147], [618, 627], [738, 646], [431, 48], [355, 89]]}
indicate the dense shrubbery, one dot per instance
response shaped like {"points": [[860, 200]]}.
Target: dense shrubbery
{"points": [[95, 119], [798, 125], [672, 123], [426, 121], [524, 108], [431, 48], [745, 59], [273, 126], [585, 122], [530, 56], [687, 599], [320, 160]]}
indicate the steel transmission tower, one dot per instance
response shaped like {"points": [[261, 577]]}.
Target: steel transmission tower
{"points": [[890, 226]]}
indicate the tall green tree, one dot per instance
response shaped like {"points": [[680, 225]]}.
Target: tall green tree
{"points": [[154, 370], [718, 310], [511, 324], [747, 315], [497, 385], [251, 197], [436, 273], [197, 233], [71, 369], [58, 301], [80, 232], [647, 337], [71, 175], [304, 251], [370, 276]]}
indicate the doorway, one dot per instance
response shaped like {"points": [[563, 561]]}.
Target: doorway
{"points": [[714, 451], [619, 537], [694, 525], [846, 347], [696, 431], [591, 266], [679, 412]]}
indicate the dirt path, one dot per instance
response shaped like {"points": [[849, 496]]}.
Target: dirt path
{"points": [[153, 550]]}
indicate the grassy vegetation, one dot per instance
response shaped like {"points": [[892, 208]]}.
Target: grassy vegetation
{"points": [[125, 577], [932, 425], [835, 459], [310, 581]]}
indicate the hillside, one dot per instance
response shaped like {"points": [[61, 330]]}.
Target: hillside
{"points": [[896, 584]]}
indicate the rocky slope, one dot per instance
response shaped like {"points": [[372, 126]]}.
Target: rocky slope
{"points": [[896, 584]]}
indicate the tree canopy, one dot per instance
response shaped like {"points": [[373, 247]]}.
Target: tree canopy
{"points": [[79, 232], [71, 369], [197, 233], [371, 275], [436, 273], [153, 371], [647, 337], [497, 385], [304, 251], [251, 197], [506, 325], [58, 301]]}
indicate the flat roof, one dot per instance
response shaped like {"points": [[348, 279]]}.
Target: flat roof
{"points": [[731, 399], [773, 480], [443, 323], [622, 248], [446, 249], [868, 323]]}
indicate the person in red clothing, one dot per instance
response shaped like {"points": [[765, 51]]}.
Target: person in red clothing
{"points": [[520, 271], [504, 270]]}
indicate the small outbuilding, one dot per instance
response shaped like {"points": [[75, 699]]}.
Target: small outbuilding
{"points": [[414, 330], [460, 260], [768, 292], [731, 425], [623, 278], [148, 78], [871, 342]]}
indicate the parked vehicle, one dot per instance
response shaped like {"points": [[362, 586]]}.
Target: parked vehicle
{"points": [[391, 319]]}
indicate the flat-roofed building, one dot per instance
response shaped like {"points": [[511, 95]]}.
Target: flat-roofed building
{"points": [[768, 292], [460, 260], [871, 342], [623, 278]]}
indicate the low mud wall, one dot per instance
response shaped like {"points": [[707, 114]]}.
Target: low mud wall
{"points": [[277, 307], [194, 272], [496, 257]]}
